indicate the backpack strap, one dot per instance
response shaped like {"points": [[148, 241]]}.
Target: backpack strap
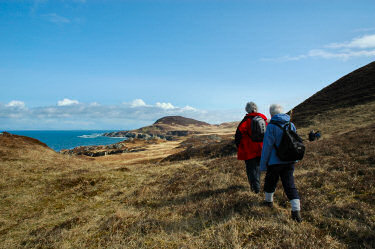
{"points": [[249, 124], [238, 135], [245, 119], [279, 125]]}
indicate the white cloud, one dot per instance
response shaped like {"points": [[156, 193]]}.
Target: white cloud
{"points": [[137, 103], [55, 18], [68, 115], [66, 102], [358, 47], [366, 41], [189, 108], [50, 110], [165, 106], [16, 103], [286, 58], [344, 55]]}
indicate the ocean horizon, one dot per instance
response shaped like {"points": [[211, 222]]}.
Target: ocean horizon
{"points": [[68, 139]]}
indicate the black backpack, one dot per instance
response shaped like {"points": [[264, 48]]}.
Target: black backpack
{"points": [[291, 147], [258, 128]]}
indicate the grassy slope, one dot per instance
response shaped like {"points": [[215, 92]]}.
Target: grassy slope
{"points": [[50, 200], [357, 87], [338, 121]]}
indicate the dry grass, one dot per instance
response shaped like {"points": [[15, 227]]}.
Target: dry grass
{"points": [[49, 200], [152, 153], [339, 121]]}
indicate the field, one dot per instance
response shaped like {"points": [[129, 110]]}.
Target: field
{"points": [[50, 200]]}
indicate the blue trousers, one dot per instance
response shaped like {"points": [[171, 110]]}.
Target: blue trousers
{"points": [[253, 173], [285, 172]]}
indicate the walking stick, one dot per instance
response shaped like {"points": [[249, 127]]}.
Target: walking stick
{"points": [[291, 115]]}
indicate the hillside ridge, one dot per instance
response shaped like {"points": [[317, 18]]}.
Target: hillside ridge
{"points": [[357, 87]]}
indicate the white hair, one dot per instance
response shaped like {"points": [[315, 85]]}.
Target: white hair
{"points": [[276, 109], [251, 107]]}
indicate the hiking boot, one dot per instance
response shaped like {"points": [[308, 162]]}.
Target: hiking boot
{"points": [[255, 191], [268, 204], [296, 215]]}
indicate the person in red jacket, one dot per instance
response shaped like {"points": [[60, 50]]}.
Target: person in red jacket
{"points": [[249, 150]]}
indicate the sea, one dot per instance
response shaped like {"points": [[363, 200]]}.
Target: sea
{"points": [[59, 140]]}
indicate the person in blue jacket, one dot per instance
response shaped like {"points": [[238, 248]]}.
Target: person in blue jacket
{"points": [[275, 167]]}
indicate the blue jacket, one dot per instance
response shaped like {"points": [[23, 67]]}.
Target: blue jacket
{"points": [[273, 137]]}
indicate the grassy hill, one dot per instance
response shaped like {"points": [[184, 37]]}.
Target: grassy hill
{"points": [[179, 120], [173, 127], [50, 200], [355, 88]]}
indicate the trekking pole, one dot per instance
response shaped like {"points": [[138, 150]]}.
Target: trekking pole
{"points": [[291, 115]]}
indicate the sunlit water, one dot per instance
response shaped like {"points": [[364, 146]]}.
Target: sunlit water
{"points": [[59, 140]]}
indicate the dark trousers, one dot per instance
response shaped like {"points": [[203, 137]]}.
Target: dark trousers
{"points": [[253, 173], [285, 172]]}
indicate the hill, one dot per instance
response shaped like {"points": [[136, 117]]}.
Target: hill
{"points": [[355, 88], [168, 128], [179, 120], [173, 127], [16, 141]]}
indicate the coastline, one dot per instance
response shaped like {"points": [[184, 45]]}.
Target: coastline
{"points": [[68, 139]]}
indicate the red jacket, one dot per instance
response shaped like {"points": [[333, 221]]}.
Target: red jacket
{"points": [[247, 148]]}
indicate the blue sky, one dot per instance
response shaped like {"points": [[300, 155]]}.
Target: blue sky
{"points": [[124, 64]]}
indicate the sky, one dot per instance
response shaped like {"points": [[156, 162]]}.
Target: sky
{"points": [[68, 65]]}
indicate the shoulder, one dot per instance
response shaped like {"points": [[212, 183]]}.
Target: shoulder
{"points": [[262, 116], [244, 122], [274, 124]]}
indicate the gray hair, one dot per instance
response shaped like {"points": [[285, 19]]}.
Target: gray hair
{"points": [[251, 107], [276, 109]]}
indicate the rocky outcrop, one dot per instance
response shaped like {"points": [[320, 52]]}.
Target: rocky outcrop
{"points": [[169, 135], [179, 133], [129, 146], [116, 134], [100, 153]]}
